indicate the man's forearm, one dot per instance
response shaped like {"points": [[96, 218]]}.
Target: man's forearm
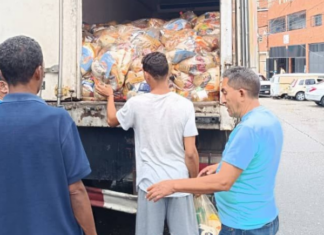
{"points": [[82, 211], [192, 163], [202, 185], [111, 111]]}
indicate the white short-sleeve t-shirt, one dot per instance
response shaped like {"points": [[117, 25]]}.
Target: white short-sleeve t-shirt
{"points": [[160, 123]]}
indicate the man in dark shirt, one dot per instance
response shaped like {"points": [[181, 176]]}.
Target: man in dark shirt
{"points": [[42, 160]]}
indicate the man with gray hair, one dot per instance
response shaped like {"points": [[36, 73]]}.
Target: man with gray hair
{"points": [[244, 180]]}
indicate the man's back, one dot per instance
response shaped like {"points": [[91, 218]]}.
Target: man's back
{"points": [[255, 147], [40, 157], [160, 123]]}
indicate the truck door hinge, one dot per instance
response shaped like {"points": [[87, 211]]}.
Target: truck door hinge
{"points": [[53, 69]]}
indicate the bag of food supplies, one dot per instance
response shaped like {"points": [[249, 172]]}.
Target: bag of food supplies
{"points": [[207, 216]]}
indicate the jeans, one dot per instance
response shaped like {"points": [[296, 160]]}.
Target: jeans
{"points": [[268, 229]]}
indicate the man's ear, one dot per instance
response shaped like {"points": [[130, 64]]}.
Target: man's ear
{"points": [[3, 87], [39, 73]]}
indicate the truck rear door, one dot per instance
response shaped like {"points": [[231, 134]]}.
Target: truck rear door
{"points": [[40, 19]]}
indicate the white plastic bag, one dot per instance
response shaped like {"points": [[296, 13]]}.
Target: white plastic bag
{"points": [[207, 216]]}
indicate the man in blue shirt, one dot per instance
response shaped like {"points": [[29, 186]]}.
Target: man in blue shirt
{"points": [[42, 160], [244, 180]]}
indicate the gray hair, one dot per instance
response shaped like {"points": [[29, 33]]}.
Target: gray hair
{"points": [[243, 78], [19, 58]]}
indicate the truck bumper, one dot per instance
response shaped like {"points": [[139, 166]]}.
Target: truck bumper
{"points": [[108, 199]]}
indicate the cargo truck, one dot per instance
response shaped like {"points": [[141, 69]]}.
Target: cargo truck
{"points": [[57, 26]]}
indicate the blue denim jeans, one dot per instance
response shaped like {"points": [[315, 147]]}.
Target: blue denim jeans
{"points": [[268, 229]]}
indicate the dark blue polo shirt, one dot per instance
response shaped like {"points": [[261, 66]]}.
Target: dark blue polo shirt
{"points": [[41, 154]]}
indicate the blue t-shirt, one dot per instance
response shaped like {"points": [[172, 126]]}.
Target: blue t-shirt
{"points": [[255, 147], [41, 154]]}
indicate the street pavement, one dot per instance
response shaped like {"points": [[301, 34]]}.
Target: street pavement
{"points": [[300, 180]]}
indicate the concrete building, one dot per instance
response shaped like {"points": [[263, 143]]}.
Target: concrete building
{"points": [[295, 38]]}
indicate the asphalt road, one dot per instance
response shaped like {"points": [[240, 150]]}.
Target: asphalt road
{"points": [[300, 180]]}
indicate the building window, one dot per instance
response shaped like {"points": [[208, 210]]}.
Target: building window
{"points": [[278, 25], [260, 38], [317, 20], [297, 21]]}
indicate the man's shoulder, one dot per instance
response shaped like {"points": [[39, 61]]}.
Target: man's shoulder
{"points": [[181, 100], [53, 113]]}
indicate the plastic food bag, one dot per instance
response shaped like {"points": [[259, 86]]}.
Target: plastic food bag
{"points": [[190, 16], [96, 95], [173, 38], [211, 27], [207, 216], [177, 56], [88, 54], [197, 64], [153, 32], [142, 23], [137, 65], [156, 23], [208, 16], [177, 24], [142, 42], [182, 81], [87, 88]]}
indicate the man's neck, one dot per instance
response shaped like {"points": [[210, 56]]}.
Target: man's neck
{"points": [[160, 88], [252, 105], [22, 89]]}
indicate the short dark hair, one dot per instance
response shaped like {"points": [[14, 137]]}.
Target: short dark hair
{"points": [[19, 58], [156, 64], [243, 78]]}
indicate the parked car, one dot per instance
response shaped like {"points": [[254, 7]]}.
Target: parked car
{"points": [[280, 82], [265, 86], [316, 93], [298, 87]]}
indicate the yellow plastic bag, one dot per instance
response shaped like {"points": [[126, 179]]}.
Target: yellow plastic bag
{"points": [[207, 216]]}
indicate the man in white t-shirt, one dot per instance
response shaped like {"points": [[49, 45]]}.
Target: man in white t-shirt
{"points": [[165, 133]]}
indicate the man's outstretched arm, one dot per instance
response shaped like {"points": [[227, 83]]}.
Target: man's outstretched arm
{"points": [[106, 90], [222, 181]]}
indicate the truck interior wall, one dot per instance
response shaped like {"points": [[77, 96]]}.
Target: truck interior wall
{"points": [[102, 11]]}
